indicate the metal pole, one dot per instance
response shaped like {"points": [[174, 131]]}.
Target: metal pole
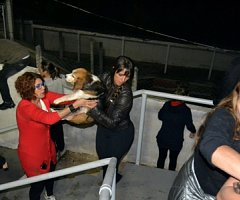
{"points": [[10, 19], [212, 63], [79, 47], [38, 56], [101, 57], [108, 187], [61, 45], [166, 60], [55, 174], [135, 79], [123, 46], [141, 127], [92, 55], [4, 22]]}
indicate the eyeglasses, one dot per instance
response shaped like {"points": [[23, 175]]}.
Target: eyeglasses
{"points": [[40, 85]]}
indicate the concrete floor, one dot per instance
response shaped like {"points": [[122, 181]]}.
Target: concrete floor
{"points": [[138, 182]]}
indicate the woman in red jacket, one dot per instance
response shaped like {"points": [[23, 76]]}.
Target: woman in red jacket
{"points": [[36, 150]]}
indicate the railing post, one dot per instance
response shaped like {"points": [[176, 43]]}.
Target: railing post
{"points": [[38, 56], [100, 57], [4, 22], [141, 127], [61, 45], [92, 55], [212, 63], [10, 19], [79, 47], [166, 60], [123, 46]]}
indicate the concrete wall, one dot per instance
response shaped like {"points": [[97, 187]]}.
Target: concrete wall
{"points": [[83, 139], [141, 50], [138, 49]]}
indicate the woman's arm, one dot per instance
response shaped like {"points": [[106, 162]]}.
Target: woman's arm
{"points": [[228, 160], [78, 103], [227, 191]]}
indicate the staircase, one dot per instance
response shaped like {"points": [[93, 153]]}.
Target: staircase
{"points": [[138, 183]]}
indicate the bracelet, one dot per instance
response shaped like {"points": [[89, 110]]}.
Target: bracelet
{"points": [[72, 109]]}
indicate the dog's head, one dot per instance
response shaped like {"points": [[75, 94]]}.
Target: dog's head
{"points": [[82, 79]]}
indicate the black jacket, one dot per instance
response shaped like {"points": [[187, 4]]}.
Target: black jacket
{"points": [[174, 119], [114, 108]]}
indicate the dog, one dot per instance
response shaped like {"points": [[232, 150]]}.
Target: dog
{"points": [[85, 86]]}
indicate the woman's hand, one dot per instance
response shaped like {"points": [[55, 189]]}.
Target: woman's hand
{"points": [[86, 103]]}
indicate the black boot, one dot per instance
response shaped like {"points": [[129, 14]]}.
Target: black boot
{"points": [[5, 105]]}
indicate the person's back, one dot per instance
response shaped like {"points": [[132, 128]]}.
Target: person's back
{"points": [[175, 115]]}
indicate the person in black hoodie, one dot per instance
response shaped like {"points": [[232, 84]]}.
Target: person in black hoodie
{"points": [[175, 115]]}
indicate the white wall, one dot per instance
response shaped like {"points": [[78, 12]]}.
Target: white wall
{"points": [[139, 50]]}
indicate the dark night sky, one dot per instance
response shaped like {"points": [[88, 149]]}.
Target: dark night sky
{"points": [[215, 23]]}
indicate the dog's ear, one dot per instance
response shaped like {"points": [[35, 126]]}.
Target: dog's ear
{"points": [[79, 83]]}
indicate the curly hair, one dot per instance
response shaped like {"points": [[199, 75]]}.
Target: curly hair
{"points": [[230, 103], [25, 85]]}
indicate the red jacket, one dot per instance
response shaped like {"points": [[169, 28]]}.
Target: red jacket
{"points": [[35, 144]]}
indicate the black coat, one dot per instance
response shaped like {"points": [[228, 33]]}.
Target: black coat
{"points": [[115, 106], [174, 119]]}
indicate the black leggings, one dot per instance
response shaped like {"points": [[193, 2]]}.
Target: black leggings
{"points": [[2, 161], [37, 188], [173, 155], [57, 135], [113, 143], [7, 71]]}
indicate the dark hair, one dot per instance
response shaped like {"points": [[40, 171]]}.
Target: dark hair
{"points": [[181, 89], [230, 103], [50, 68], [124, 62], [25, 85]]}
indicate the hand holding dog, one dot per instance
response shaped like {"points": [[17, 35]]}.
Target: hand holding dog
{"points": [[84, 102]]}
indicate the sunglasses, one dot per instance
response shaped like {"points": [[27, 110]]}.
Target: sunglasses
{"points": [[40, 85]]}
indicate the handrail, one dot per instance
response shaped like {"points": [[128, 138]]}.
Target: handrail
{"points": [[173, 96], [144, 94], [108, 180], [108, 188], [55, 174]]}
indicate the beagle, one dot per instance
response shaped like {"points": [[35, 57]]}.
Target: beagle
{"points": [[86, 86]]}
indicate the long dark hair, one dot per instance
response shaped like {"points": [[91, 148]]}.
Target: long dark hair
{"points": [[121, 63], [230, 103], [50, 68]]}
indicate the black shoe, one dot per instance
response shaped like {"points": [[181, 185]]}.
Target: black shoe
{"points": [[6, 105]]}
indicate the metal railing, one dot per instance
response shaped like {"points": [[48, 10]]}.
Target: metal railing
{"points": [[107, 189], [147, 93]]}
